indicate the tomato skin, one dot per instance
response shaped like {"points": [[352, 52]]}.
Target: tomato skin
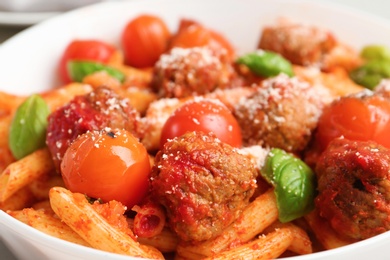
{"points": [[355, 119], [144, 39], [192, 34], [89, 50], [106, 167], [206, 116]]}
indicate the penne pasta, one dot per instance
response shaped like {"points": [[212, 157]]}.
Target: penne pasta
{"points": [[43, 204], [41, 186], [324, 233], [50, 224], [20, 173], [301, 243], [75, 211], [23, 198], [265, 247], [9, 103], [60, 96], [5, 122]]}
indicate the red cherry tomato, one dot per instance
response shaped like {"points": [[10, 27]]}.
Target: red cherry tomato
{"points": [[109, 166], [144, 39], [192, 34], [91, 50], [356, 119], [206, 116]]}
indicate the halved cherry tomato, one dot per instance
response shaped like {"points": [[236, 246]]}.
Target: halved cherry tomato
{"points": [[107, 165], [206, 116], [192, 34], [355, 119], [87, 50], [144, 39]]}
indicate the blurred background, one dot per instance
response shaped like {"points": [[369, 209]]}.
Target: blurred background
{"points": [[17, 15]]}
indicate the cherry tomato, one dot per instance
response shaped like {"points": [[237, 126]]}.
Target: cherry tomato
{"points": [[89, 50], [107, 165], [192, 34], [144, 39], [355, 119], [206, 116]]}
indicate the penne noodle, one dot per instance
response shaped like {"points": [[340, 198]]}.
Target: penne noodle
{"points": [[135, 77], [139, 98], [6, 158], [301, 243], [50, 224], [5, 122], [9, 102], [77, 213], [19, 200], [19, 215], [325, 233], [257, 216], [101, 78], [269, 246], [44, 204], [41, 186], [60, 96], [20, 173], [183, 253], [337, 82]]}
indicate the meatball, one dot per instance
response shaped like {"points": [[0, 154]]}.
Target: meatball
{"points": [[94, 111], [194, 71], [354, 188], [301, 44], [203, 183], [282, 113], [309, 46]]}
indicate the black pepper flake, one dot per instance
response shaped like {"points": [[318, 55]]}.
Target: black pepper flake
{"points": [[111, 134]]}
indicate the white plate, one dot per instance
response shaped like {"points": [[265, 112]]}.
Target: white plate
{"points": [[22, 19], [28, 64]]}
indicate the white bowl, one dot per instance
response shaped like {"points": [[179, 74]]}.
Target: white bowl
{"points": [[28, 64]]}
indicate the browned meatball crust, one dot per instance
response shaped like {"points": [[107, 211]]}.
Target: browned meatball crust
{"points": [[354, 188], [194, 71], [282, 113], [203, 183], [301, 44]]}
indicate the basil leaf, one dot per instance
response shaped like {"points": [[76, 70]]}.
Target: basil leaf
{"points": [[375, 52], [294, 184], [28, 127], [266, 63], [79, 69], [371, 73]]}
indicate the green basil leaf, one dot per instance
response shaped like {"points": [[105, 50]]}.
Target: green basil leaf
{"points": [[294, 184], [28, 127], [274, 159], [371, 73], [79, 69], [266, 63], [375, 52]]}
